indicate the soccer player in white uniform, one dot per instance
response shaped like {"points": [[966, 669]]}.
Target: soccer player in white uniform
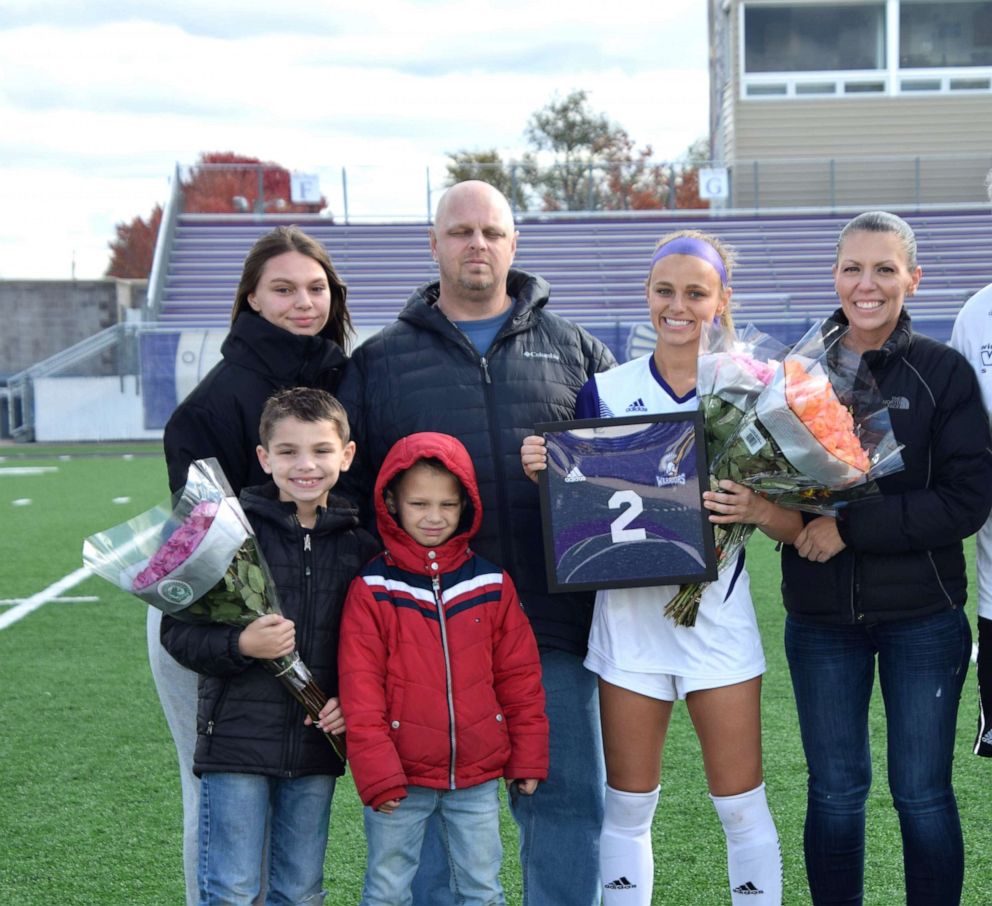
{"points": [[645, 662], [972, 337]]}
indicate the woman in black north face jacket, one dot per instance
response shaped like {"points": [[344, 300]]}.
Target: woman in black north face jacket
{"points": [[882, 586]]}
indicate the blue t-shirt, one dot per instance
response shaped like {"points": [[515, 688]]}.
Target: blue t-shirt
{"points": [[483, 332]]}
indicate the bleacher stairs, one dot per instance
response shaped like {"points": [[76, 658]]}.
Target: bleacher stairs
{"points": [[596, 265]]}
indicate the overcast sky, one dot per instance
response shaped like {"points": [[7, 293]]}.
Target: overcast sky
{"points": [[100, 100]]}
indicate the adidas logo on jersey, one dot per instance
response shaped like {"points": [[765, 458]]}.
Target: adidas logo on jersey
{"points": [[637, 406], [620, 883], [987, 738], [748, 889], [574, 475]]}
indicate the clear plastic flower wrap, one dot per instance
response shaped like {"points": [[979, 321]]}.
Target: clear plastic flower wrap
{"points": [[816, 435], [196, 558], [820, 424], [733, 369]]}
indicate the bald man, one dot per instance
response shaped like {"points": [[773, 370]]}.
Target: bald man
{"points": [[476, 354]]}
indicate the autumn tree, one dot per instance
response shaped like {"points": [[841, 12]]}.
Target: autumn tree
{"points": [[632, 181], [220, 182], [595, 164], [132, 252], [581, 141]]}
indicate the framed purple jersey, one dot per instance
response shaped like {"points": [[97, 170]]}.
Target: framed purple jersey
{"points": [[621, 502]]}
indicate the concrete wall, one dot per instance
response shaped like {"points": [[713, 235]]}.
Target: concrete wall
{"points": [[39, 318], [97, 409]]}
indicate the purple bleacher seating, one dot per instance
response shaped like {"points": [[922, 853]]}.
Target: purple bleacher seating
{"points": [[595, 264]]}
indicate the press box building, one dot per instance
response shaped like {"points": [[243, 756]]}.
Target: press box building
{"points": [[852, 102]]}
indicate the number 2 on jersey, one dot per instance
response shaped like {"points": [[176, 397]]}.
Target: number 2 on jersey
{"points": [[618, 527]]}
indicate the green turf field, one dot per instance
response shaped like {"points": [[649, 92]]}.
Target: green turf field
{"points": [[90, 808]]}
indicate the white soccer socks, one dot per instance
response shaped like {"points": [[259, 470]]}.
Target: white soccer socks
{"points": [[625, 858], [754, 860]]}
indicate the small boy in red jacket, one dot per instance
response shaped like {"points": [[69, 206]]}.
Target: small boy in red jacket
{"points": [[440, 679]]}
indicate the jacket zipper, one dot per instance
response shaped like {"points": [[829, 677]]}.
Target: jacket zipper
{"points": [[214, 714], [502, 518], [854, 589], [294, 739], [436, 586], [511, 328]]}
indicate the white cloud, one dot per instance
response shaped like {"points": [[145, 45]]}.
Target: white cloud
{"points": [[100, 101]]}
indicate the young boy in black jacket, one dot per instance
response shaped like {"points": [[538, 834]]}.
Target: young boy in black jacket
{"points": [[259, 763]]}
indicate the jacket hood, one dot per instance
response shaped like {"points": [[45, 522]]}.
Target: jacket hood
{"points": [[256, 344], [529, 292], [453, 455]]}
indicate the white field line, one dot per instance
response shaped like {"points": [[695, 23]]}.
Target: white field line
{"points": [[64, 599], [43, 597], [27, 470]]}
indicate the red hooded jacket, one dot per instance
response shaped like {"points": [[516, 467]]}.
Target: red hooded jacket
{"points": [[440, 678]]}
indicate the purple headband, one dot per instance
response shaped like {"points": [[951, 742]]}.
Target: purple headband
{"points": [[699, 248]]}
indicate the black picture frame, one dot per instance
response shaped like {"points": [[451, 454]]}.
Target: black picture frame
{"points": [[650, 470]]}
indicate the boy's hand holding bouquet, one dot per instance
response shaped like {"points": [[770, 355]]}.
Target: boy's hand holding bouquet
{"points": [[197, 560]]}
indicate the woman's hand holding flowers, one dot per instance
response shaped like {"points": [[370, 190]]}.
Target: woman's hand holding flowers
{"points": [[735, 503], [819, 540]]}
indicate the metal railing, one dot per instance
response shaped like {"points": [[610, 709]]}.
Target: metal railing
{"points": [[163, 246], [365, 193], [121, 339]]}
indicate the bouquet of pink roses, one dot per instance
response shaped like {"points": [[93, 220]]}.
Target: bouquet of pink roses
{"points": [[731, 373], [198, 561], [809, 434]]}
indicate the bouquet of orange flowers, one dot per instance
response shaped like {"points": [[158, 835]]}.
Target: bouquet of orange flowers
{"points": [[820, 426], [817, 434]]}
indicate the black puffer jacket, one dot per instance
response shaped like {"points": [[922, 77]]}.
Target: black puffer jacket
{"points": [[904, 555], [423, 374], [246, 720], [220, 417]]}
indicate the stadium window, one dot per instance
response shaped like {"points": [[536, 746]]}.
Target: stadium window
{"points": [[920, 85], [814, 38], [778, 89], [971, 84], [816, 88], [864, 87], [948, 33]]}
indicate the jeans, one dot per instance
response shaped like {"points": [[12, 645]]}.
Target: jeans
{"points": [[468, 821], [922, 663], [560, 824], [177, 692], [234, 809]]}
